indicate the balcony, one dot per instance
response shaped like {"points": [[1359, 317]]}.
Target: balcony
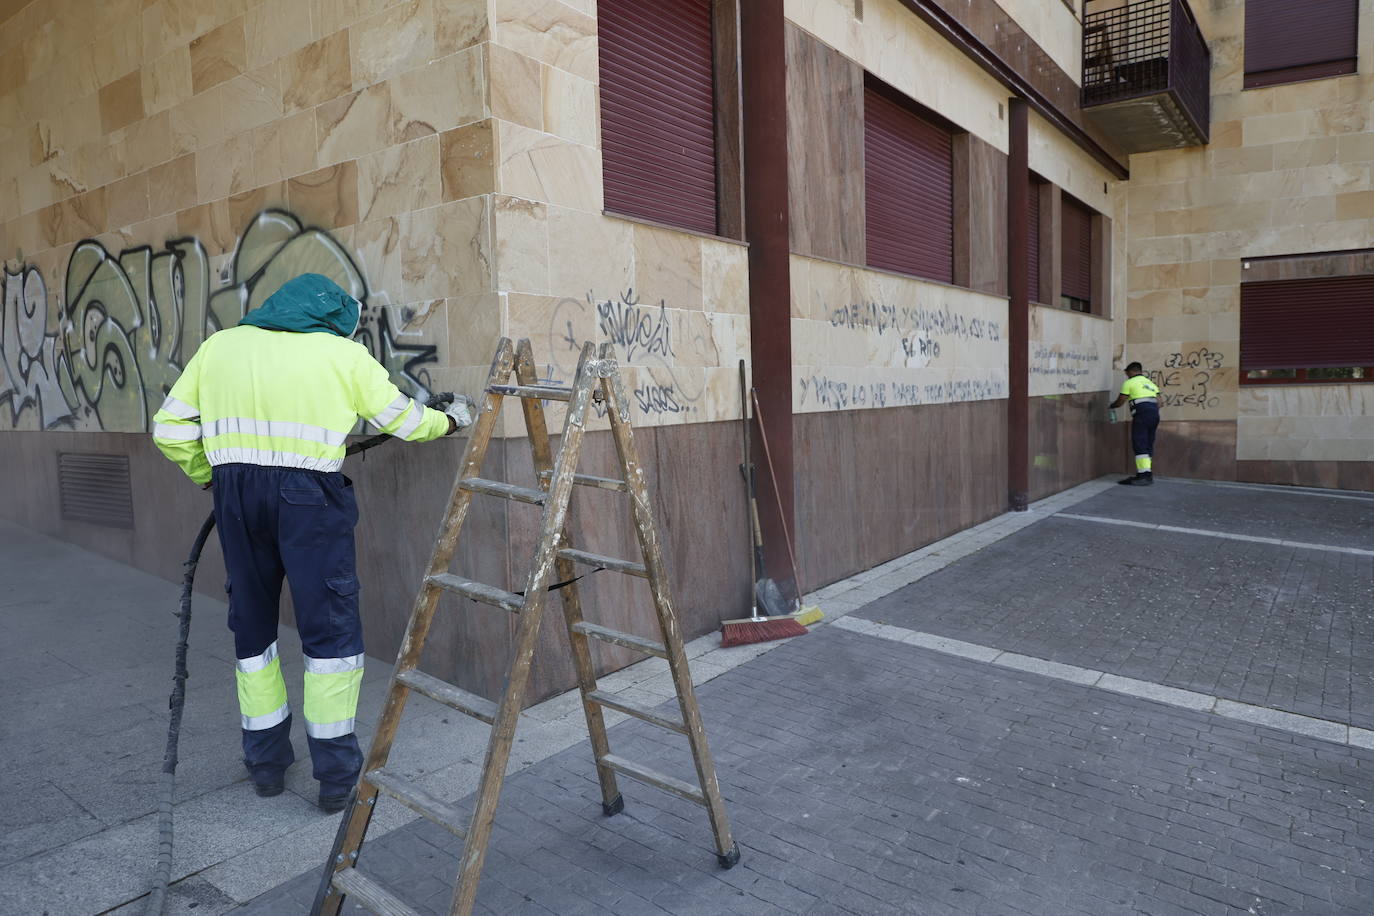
{"points": [[1146, 75]]}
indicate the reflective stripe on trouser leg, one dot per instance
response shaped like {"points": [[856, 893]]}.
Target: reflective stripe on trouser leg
{"points": [[1142, 464], [262, 691], [331, 695]]}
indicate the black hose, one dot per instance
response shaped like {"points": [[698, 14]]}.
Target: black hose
{"points": [[177, 701]]}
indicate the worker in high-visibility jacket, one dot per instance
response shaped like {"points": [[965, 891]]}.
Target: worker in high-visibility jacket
{"points": [[1143, 396], [260, 414]]}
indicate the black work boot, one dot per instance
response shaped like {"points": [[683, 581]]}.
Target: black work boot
{"points": [[333, 804], [1130, 481]]}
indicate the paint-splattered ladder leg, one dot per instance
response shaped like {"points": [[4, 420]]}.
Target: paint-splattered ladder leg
{"points": [[651, 548], [353, 828], [536, 594], [527, 372]]}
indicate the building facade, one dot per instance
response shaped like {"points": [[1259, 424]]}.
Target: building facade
{"points": [[932, 230]]}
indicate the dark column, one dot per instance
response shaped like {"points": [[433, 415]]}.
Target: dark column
{"points": [[1018, 309], [763, 70]]}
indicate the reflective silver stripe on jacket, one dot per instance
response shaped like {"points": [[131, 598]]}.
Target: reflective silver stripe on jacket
{"points": [[306, 432], [257, 662], [1135, 401], [333, 665], [271, 459], [412, 421], [180, 409], [392, 411], [258, 723], [329, 729], [174, 432]]}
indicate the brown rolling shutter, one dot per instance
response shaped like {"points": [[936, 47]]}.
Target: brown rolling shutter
{"points": [[1288, 40], [1033, 240], [909, 191], [1077, 249], [1296, 324], [658, 134]]}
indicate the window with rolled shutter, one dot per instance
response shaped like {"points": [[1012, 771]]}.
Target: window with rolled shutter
{"points": [[1318, 329], [1076, 254], [909, 190], [1287, 41], [658, 110], [1033, 239]]}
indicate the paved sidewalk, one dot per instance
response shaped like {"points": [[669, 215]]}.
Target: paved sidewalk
{"points": [[930, 753], [1206, 609]]}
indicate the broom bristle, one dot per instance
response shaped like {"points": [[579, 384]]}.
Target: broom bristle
{"points": [[745, 632]]}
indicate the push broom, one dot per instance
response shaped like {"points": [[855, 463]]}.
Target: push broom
{"points": [[757, 627]]}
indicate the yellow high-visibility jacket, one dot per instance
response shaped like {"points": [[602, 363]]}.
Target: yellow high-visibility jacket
{"points": [[281, 398]]}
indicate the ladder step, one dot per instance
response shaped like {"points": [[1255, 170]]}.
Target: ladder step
{"points": [[363, 890], [591, 480], [594, 559], [487, 594], [640, 712], [420, 801], [628, 640], [653, 778], [540, 392], [532, 495], [444, 692]]}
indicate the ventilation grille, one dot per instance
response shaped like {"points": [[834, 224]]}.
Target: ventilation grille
{"points": [[95, 489]]}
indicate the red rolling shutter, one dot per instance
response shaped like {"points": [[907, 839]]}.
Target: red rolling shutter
{"points": [[1077, 249], [909, 191], [1287, 40], [1033, 240], [658, 133], [1296, 324]]}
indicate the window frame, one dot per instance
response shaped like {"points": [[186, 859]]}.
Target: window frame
{"points": [[727, 134], [1266, 77], [897, 99]]}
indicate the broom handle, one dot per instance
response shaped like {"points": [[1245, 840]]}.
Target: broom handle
{"points": [[777, 494], [751, 511]]}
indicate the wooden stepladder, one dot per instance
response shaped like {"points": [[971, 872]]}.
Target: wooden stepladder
{"points": [[598, 379]]}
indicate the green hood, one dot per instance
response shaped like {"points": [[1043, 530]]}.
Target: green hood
{"points": [[308, 303]]}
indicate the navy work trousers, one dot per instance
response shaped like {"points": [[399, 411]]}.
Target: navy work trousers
{"points": [[1144, 422], [278, 522]]}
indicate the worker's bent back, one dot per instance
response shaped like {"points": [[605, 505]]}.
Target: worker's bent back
{"points": [[283, 399]]}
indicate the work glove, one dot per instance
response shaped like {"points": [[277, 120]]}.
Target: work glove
{"points": [[462, 411]]}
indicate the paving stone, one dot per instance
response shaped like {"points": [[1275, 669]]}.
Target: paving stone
{"points": [[1262, 624], [939, 784]]}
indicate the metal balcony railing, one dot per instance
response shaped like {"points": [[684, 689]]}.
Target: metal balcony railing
{"points": [[1148, 60]]}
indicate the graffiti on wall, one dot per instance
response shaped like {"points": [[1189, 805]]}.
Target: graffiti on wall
{"points": [[1187, 379], [1065, 368], [877, 353], [126, 324], [642, 334]]}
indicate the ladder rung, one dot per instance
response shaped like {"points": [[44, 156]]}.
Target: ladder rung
{"points": [[532, 495], [487, 594], [640, 712], [442, 691], [628, 640], [540, 392], [594, 559], [591, 480], [420, 801], [653, 778], [363, 890]]}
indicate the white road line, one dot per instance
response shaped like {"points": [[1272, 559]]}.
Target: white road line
{"points": [[1274, 488], [1324, 729], [1358, 551]]}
